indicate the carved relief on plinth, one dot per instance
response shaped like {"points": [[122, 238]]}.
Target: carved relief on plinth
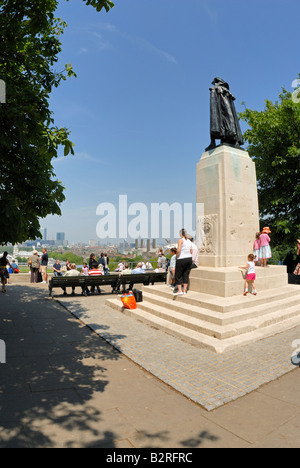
{"points": [[207, 234]]}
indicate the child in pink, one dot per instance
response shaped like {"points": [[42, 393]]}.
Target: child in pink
{"points": [[251, 276], [256, 247], [264, 251]]}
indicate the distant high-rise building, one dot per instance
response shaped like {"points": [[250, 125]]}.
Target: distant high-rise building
{"points": [[60, 236], [60, 239], [44, 234]]}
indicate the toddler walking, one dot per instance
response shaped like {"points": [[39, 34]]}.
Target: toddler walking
{"points": [[251, 276]]}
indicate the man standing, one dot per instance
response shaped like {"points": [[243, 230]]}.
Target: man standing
{"points": [[44, 265]]}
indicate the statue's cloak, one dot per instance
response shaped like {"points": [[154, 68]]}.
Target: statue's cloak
{"points": [[224, 123]]}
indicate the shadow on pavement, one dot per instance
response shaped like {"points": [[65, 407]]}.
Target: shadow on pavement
{"points": [[54, 365]]}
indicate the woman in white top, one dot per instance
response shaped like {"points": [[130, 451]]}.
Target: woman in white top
{"points": [[183, 263]]}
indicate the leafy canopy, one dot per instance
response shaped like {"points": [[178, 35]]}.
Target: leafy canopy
{"points": [[274, 144], [29, 49]]}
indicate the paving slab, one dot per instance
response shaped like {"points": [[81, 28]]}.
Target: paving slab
{"points": [[208, 379], [63, 385]]}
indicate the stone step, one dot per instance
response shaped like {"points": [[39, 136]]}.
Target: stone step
{"points": [[221, 331], [269, 326], [218, 318], [223, 304]]}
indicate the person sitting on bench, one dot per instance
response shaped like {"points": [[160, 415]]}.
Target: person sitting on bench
{"points": [[72, 272], [96, 271], [139, 269]]}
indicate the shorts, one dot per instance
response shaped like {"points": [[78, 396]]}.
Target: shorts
{"points": [[44, 270], [251, 277]]}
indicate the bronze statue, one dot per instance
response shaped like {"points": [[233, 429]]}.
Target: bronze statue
{"points": [[224, 123]]}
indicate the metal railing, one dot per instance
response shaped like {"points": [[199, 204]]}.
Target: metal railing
{"points": [[23, 267]]}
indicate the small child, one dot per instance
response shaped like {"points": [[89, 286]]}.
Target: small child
{"points": [[172, 267], [265, 250], [251, 276], [85, 270], [256, 247]]}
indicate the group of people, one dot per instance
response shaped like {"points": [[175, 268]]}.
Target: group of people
{"points": [[184, 258], [93, 268], [261, 248], [261, 254], [38, 265]]}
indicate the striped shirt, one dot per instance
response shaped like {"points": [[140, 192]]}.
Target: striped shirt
{"points": [[95, 272]]}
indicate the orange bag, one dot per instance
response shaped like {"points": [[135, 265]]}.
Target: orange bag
{"points": [[129, 301]]}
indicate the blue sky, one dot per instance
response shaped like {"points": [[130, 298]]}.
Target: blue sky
{"points": [[139, 107]]}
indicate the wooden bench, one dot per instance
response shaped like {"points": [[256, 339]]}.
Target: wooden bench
{"points": [[113, 280], [141, 278]]}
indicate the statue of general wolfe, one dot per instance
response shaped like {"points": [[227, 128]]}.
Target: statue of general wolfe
{"points": [[224, 123]]}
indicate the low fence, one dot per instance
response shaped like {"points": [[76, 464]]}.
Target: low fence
{"points": [[23, 267]]}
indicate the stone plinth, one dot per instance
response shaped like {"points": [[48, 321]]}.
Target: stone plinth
{"points": [[227, 189], [229, 282]]}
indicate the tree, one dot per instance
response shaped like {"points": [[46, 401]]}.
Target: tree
{"points": [[73, 258], [29, 46], [274, 144]]}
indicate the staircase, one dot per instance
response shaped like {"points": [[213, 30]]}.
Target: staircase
{"points": [[217, 323]]}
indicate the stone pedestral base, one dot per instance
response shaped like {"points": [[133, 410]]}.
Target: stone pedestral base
{"points": [[227, 204], [229, 282]]}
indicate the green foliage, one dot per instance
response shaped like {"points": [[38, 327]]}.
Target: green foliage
{"points": [[274, 145], [73, 258], [100, 4], [30, 44]]}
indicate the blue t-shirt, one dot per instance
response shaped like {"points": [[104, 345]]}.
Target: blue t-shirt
{"points": [[45, 259], [138, 270], [57, 266]]}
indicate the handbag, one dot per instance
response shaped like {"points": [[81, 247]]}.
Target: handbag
{"points": [[297, 270], [138, 295], [128, 301]]}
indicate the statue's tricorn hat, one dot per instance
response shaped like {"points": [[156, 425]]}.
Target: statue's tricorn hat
{"points": [[220, 82]]}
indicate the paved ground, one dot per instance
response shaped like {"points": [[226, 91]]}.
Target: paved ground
{"points": [[64, 386]]}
